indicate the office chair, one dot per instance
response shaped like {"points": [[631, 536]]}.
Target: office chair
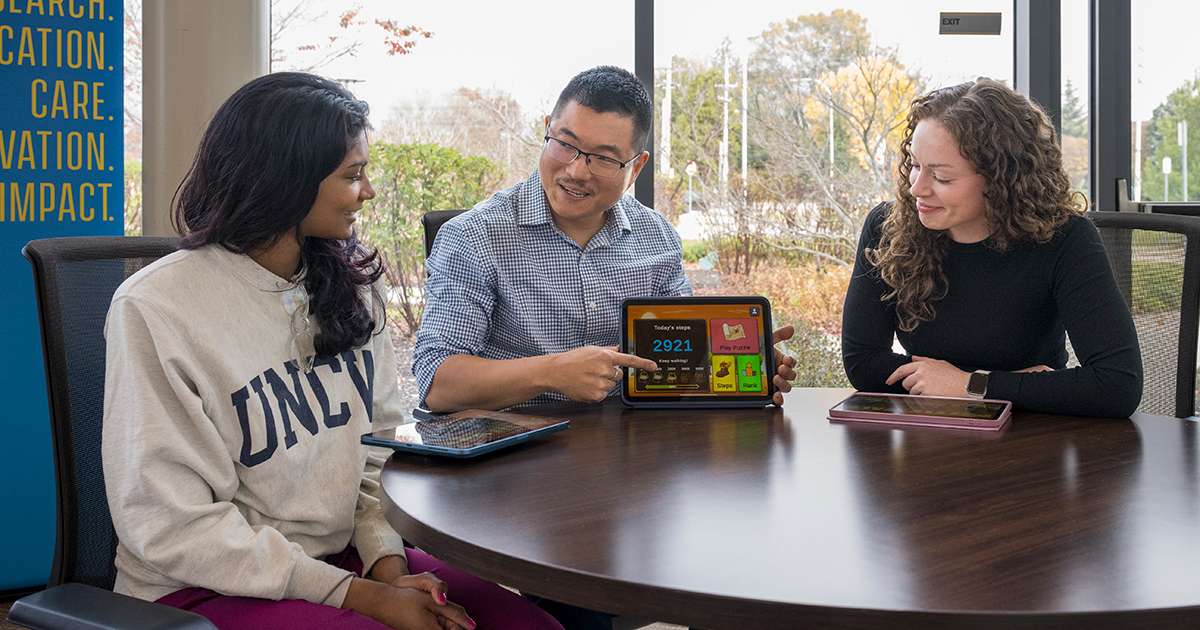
{"points": [[74, 280], [1156, 261], [432, 222]]}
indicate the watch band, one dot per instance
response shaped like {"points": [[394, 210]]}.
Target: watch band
{"points": [[977, 384]]}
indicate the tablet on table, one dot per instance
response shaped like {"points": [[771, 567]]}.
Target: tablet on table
{"points": [[710, 351], [465, 433], [927, 411]]}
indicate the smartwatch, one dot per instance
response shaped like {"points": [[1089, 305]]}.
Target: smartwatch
{"points": [[977, 384]]}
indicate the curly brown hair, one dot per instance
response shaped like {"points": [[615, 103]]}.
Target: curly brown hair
{"points": [[1007, 139]]}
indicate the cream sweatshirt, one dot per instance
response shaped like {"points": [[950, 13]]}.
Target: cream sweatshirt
{"points": [[227, 465]]}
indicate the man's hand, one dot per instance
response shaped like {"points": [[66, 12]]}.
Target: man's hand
{"points": [[585, 374], [589, 373], [931, 377], [785, 365]]}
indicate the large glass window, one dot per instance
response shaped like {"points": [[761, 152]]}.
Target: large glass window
{"points": [[459, 96], [1076, 86], [478, 78], [777, 132], [133, 117], [1165, 100]]}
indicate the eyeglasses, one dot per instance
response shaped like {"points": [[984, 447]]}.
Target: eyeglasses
{"points": [[597, 164]]}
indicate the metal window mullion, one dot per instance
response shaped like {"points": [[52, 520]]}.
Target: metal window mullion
{"points": [[1109, 135], [643, 67], [1037, 55]]}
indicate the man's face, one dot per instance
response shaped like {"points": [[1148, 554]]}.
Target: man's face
{"points": [[579, 198]]}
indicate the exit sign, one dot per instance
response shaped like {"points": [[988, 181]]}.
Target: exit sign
{"points": [[969, 24]]}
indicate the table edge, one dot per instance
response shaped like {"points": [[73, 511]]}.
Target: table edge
{"points": [[718, 612]]}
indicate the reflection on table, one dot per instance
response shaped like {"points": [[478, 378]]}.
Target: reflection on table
{"points": [[778, 518]]}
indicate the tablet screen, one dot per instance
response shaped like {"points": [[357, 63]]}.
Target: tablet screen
{"points": [[708, 350], [459, 433]]}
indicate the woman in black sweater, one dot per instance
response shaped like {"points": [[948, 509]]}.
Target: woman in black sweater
{"points": [[983, 265]]}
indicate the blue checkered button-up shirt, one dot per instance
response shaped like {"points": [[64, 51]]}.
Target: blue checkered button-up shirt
{"points": [[506, 283]]}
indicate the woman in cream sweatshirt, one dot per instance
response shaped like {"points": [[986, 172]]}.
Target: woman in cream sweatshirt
{"points": [[241, 372]]}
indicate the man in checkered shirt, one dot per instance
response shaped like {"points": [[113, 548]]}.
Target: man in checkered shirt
{"points": [[524, 292]]}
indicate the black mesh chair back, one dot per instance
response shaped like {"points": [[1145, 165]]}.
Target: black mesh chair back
{"points": [[74, 279], [1156, 260], [432, 221]]}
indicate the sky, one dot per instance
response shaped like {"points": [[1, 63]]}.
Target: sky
{"points": [[532, 50]]}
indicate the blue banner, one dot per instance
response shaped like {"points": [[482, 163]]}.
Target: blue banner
{"points": [[61, 174]]}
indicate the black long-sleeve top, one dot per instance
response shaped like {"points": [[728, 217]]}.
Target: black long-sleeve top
{"points": [[1006, 311]]}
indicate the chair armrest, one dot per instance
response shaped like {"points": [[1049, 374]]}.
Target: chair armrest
{"points": [[90, 608]]}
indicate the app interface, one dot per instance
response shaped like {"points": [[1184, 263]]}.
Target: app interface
{"points": [[714, 350]]}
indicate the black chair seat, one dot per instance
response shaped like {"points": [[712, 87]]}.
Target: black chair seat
{"points": [[84, 607]]}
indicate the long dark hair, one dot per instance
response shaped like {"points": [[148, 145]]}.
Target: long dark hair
{"points": [[256, 176]]}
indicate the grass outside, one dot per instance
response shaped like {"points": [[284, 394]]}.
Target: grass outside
{"points": [[1157, 271], [1157, 286]]}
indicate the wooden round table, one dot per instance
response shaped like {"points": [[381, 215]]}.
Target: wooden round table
{"points": [[778, 518]]}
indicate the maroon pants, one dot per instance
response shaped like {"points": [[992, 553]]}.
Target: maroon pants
{"points": [[490, 606]]}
